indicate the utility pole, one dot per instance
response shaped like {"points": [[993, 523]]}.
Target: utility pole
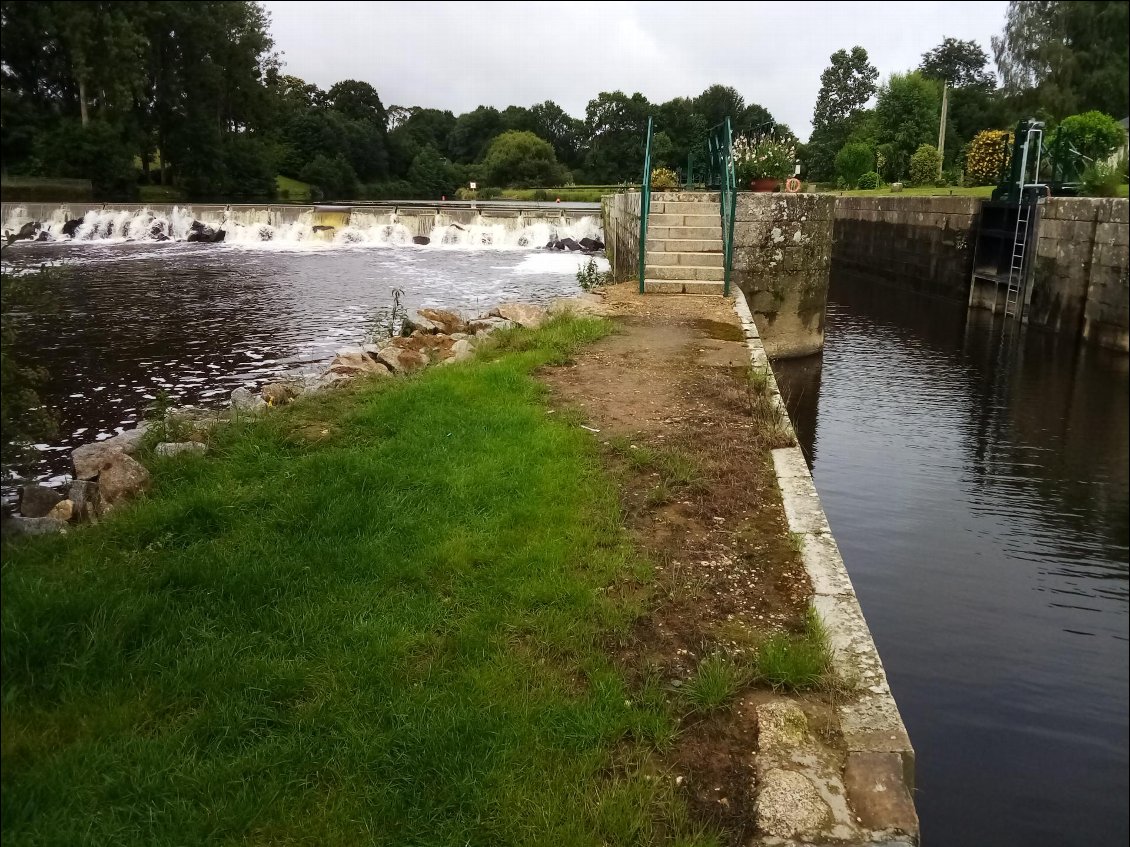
{"points": [[942, 129]]}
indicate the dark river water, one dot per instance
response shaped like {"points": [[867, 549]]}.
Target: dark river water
{"points": [[197, 320], [977, 487]]}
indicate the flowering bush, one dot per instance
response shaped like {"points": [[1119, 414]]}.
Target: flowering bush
{"points": [[987, 156], [763, 157], [664, 179]]}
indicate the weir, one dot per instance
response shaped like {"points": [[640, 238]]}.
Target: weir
{"points": [[391, 224]]}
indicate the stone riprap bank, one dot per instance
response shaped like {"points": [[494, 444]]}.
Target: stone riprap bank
{"points": [[1080, 284]]}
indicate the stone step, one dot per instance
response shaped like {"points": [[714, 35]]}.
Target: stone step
{"points": [[681, 207], [673, 258], [685, 233], [681, 286], [674, 245], [700, 273], [685, 197], [683, 220]]}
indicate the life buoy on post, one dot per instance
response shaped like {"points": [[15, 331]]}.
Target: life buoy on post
{"points": [[792, 185]]}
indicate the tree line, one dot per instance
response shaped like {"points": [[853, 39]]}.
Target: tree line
{"points": [[193, 96], [1055, 60]]}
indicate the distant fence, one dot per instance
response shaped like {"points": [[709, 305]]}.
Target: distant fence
{"points": [[28, 189]]}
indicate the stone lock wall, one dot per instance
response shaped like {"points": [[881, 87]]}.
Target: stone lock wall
{"points": [[1080, 281], [782, 262], [922, 244]]}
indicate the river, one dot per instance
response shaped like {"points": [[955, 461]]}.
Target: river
{"points": [[130, 320], [977, 485]]}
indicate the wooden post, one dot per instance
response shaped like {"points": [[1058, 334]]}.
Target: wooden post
{"points": [[942, 129]]}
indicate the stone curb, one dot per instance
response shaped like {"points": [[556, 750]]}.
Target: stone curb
{"points": [[869, 719]]}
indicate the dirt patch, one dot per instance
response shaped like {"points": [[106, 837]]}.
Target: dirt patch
{"points": [[673, 398]]}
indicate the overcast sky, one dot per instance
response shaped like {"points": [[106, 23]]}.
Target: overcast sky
{"points": [[461, 55]]}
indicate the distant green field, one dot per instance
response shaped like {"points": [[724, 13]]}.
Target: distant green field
{"points": [[292, 191], [589, 194], [159, 194]]}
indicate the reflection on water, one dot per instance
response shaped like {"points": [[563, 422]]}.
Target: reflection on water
{"points": [[978, 488], [196, 321]]}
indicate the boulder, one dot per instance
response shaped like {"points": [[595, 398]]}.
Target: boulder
{"points": [[421, 239], [17, 525], [416, 322], [280, 393], [445, 321], [570, 244], [523, 314], [37, 501], [587, 244], [121, 478], [401, 360], [71, 227], [27, 231], [322, 228], [64, 510], [355, 363], [584, 304], [44, 235], [89, 458], [86, 500], [129, 442], [177, 448], [461, 351], [242, 400]]}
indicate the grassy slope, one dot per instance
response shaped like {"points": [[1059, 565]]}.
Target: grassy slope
{"points": [[371, 617], [297, 192]]}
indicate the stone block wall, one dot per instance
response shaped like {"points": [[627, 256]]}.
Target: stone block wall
{"points": [[782, 262], [1080, 282], [923, 244], [621, 223]]}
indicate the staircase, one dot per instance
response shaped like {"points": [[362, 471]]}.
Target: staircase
{"points": [[684, 244]]}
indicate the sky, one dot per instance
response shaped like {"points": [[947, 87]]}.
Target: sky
{"points": [[461, 55]]}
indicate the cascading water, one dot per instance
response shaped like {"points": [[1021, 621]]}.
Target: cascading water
{"points": [[298, 225]]}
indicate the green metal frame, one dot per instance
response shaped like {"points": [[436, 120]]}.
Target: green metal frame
{"points": [[645, 200], [721, 175]]}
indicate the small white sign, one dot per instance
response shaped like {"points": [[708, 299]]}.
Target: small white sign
{"points": [[474, 185]]}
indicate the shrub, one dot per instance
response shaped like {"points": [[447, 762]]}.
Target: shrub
{"points": [[664, 179], [522, 159], [952, 176], [987, 156], [1101, 179], [1093, 135], [335, 177], [852, 162], [764, 157], [868, 180], [924, 165]]}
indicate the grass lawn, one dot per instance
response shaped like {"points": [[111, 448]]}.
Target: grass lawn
{"points": [[373, 617], [586, 194], [160, 194], [296, 192]]}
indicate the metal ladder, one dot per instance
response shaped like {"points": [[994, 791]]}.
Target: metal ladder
{"points": [[1014, 294]]}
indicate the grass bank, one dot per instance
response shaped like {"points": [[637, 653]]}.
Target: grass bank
{"points": [[372, 617]]}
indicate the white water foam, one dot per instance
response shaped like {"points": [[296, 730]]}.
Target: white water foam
{"points": [[306, 228]]}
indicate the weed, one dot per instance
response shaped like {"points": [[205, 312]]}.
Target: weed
{"points": [[589, 275], [715, 682], [796, 541], [387, 323], [796, 662]]}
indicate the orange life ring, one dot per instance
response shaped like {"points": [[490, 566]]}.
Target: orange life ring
{"points": [[792, 185]]}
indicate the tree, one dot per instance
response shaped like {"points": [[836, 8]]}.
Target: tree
{"points": [[359, 101], [334, 176], [907, 111], [845, 87], [432, 175], [924, 165], [1066, 57], [719, 102], [852, 162], [616, 125], [960, 64], [522, 159], [562, 130], [472, 133]]}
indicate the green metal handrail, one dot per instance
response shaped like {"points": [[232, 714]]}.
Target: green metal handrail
{"points": [[720, 174], [645, 200]]}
